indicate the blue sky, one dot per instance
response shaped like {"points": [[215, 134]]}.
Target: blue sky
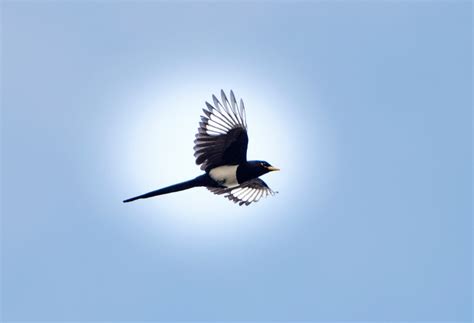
{"points": [[366, 107]]}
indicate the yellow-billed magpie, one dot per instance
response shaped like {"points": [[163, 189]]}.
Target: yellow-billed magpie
{"points": [[221, 150]]}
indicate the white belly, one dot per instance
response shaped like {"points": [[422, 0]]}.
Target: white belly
{"points": [[225, 175]]}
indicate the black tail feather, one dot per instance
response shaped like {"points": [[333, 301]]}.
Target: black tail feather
{"points": [[198, 181]]}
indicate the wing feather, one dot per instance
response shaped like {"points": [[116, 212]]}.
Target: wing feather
{"points": [[246, 193], [222, 134]]}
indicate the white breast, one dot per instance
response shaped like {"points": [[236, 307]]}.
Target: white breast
{"points": [[225, 175]]}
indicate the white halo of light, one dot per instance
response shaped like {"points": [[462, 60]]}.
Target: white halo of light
{"points": [[151, 146]]}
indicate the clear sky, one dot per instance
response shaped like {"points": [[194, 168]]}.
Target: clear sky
{"points": [[365, 106]]}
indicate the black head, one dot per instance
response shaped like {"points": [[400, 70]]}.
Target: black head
{"points": [[260, 167]]}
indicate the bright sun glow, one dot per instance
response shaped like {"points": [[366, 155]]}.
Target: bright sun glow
{"points": [[152, 147]]}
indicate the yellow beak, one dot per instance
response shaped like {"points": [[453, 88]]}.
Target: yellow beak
{"points": [[271, 168]]}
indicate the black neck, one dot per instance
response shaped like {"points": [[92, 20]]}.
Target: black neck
{"points": [[247, 171]]}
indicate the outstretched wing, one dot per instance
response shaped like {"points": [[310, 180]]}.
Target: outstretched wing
{"points": [[245, 193], [222, 134]]}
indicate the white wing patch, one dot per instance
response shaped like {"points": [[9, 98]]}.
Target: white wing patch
{"points": [[224, 116], [247, 193]]}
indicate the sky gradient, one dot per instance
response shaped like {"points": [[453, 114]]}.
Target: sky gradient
{"points": [[365, 106]]}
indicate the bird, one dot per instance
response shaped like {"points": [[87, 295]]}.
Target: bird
{"points": [[220, 149]]}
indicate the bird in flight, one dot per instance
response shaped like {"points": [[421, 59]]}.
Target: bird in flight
{"points": [[221, 150]]}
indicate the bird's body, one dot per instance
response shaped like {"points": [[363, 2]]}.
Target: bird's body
{"points": [[221, 150]]}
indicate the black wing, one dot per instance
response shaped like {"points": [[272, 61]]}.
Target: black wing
{"points": [[245, 193], [222, 134]]}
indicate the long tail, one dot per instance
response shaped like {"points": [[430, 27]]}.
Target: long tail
{"points": [[198, 181]]}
